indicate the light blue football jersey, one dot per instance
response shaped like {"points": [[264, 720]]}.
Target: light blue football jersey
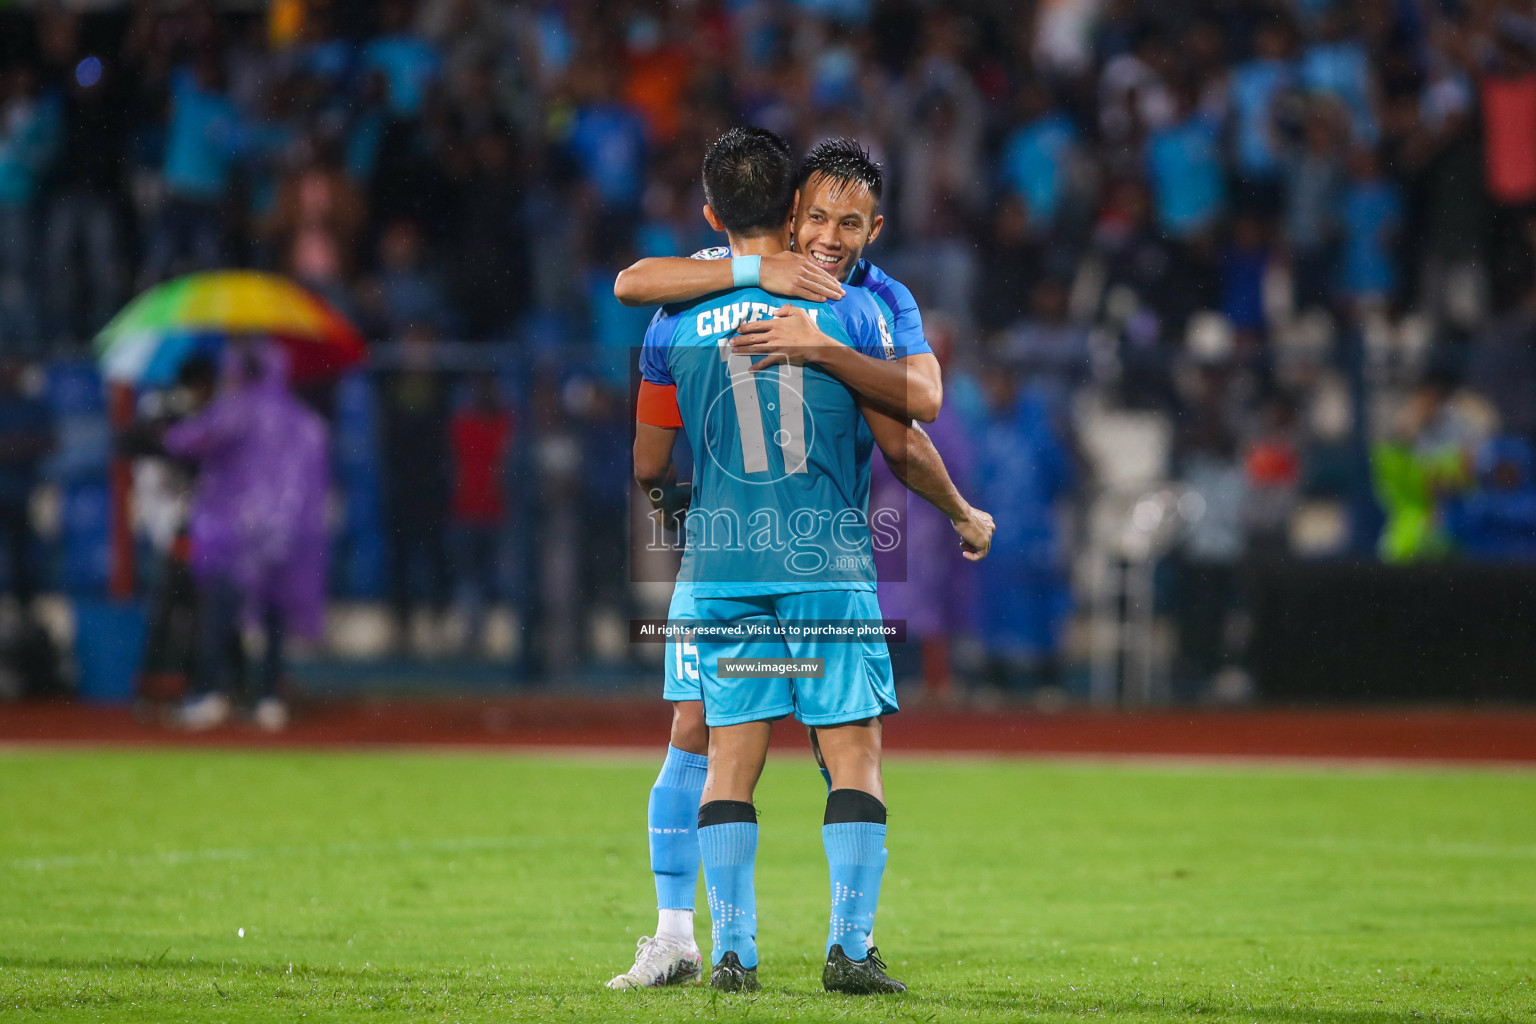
{"points": [[898, 310], [781, 457]]}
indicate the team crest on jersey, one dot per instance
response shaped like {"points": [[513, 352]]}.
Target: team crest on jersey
{"points": [[887, 342]]}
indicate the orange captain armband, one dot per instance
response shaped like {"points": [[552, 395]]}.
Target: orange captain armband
{"points": [[657, 406]]}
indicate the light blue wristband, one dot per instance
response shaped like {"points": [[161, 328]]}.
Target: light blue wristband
{"points": [[746, 271]]}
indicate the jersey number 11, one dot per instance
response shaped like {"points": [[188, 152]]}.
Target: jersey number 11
{"points": [[749, 413]]}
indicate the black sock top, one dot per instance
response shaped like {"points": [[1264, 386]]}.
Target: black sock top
{"points": [[721, 812], [845, 805]]}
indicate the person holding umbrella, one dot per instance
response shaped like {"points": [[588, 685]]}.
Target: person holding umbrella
{"points": [[258, 540], [257, 532]]}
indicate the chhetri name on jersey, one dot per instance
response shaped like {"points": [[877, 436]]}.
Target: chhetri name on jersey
{"points": [[723, 319]]}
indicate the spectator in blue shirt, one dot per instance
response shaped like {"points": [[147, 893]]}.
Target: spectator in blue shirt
{"points": [[406, 293], [409, 63], [324, 57], [1023, 597], [617, 328], [1371, 212], [1257, 87], [1049, 347], [1497, 521], [1037, 157], [31, 124], [1337, 65], [1244, 263], [365, 129], [607, 143], [1184, 161], [199, 156], [200, 139], [1314, 179]]}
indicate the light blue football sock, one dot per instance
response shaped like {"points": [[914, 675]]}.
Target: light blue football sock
{"points": [[729, 852], [856, 860], [673, 819]]}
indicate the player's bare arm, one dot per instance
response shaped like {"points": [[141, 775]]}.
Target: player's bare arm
{"points": [[655, 471], [912, 385], [912, 457], [658, 280]]}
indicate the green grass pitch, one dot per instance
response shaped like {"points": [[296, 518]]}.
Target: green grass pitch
{"points": [[482, 887]]}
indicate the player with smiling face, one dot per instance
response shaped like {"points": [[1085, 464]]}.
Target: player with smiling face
{"points": [[818, 460], [836, 216]]}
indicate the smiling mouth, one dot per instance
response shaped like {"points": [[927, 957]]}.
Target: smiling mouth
{"points": [[826, 260]]}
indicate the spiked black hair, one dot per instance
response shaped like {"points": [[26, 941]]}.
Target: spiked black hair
{"points": [[749, 180], [843, 160]]}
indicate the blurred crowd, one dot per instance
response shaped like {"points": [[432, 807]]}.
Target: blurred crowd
{"points": [[1278, 253]]}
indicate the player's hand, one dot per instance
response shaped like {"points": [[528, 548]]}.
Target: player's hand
{"points": [[789, 336], [669, 504], [797, 276], [975, 530]]}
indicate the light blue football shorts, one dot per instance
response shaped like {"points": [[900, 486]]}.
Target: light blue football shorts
{"points": [[857, 683]]}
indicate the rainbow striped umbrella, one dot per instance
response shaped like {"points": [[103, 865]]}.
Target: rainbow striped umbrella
{"points": [[156, 333]]}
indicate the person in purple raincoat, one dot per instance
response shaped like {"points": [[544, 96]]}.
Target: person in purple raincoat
{"points": [[257, 526]]}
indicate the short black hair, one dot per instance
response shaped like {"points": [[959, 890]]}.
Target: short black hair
{"points": [[846, 161], [749, 180]]}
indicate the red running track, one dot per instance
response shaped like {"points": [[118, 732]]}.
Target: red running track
{"points": [[1507, 736]]}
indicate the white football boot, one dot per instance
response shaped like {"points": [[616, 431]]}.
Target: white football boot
{"points": [[661, 962]]}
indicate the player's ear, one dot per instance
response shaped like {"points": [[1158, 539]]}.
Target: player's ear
{"points": [[874, 231], [713, 220]]}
